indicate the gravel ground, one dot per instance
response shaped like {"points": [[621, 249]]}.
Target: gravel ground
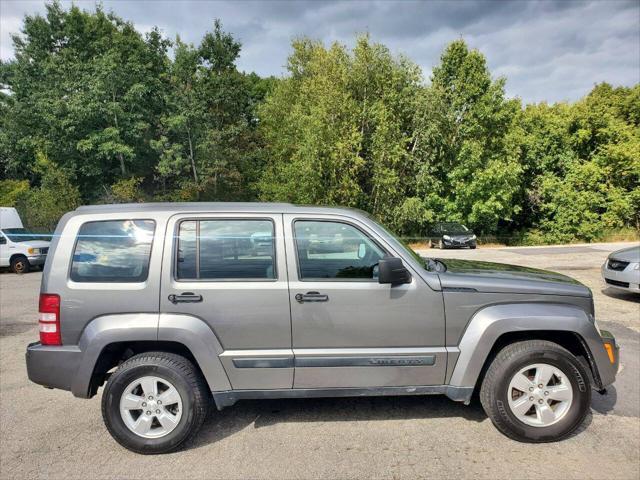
{"points": [[49, 433]]}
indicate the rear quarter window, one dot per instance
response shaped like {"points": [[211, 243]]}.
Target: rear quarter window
{"points": [[113, 251]]}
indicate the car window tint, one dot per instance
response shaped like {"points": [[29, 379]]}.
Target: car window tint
{"points": [[334, 250], [187, 250], [113, 251], [226, 250]]}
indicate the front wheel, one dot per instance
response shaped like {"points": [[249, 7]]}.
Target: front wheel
{"points": [[154, 402], [536, 391], [20, 264]]}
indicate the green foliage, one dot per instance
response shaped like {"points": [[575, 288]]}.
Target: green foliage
{"points": [[11, 191], [357, 127], [338, 129], [41, 207], [127, 191]]}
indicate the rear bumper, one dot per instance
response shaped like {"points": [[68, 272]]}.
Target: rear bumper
{"points": [[53, 366]]}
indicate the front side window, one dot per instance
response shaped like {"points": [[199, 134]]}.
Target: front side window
{"points": [[226, 250], [113, 251], [335, 251]]}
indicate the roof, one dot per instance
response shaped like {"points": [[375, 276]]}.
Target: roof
{"points": [[249, 207]]}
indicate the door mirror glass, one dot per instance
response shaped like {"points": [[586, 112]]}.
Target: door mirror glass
{"points": [[391, 270]]}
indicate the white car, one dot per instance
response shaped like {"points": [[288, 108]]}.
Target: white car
{"points": [[19, 249], [621, 270]]}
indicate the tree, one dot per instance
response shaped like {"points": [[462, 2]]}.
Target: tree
{"points": [[209, 127], [85, 89], [465, 148], [338, 129], [583, 165]]}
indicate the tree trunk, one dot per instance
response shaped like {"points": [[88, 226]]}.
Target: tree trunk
{"points": [[193, 160], [120, 157]]}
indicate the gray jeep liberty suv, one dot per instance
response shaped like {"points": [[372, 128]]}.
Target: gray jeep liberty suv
{"points": [[175, 305]]}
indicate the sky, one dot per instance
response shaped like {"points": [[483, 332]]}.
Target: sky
{"points": [[547, 50]]}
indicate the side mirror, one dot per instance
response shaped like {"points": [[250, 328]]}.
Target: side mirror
{"points": [[391, 270]]}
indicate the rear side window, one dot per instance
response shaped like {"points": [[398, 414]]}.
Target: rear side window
{"points": [[226, 250], [113, 251]]}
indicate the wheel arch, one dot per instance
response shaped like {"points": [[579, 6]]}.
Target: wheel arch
{"points": [[570, 341], [497, 326], [106, 340], [113, 354]]}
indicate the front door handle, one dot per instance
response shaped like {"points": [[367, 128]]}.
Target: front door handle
{"points": [[186, 297], [312, 297]]}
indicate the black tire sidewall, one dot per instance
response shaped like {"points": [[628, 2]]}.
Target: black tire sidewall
{"points": [[22, 259], [579, 407], [111, 408]]}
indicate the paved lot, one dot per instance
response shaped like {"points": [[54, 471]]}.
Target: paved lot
{"points": [[49, 433]]}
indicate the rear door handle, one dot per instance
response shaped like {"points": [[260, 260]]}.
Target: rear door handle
{"points": [[186, 297], [312, 297]]}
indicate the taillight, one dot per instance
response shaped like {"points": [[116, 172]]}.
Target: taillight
{"points": [[49, 319]]}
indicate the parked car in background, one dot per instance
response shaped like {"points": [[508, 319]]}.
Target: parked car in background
{"points": [[20, 250], [169, 308], [451, 235], [621, 270]]}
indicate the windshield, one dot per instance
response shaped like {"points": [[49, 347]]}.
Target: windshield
{"points": [[19, 235], [454, 228]]}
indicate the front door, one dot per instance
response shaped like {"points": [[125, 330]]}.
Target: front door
{"points": [[348, 330], [229, 270]]}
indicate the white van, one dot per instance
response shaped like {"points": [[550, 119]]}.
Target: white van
{"points": [[19, 249]]}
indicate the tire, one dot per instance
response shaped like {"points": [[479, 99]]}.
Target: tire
{"points": [[20, 264], [497, 392], [165, 369], [472, 247]]}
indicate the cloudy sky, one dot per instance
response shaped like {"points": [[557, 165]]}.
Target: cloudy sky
{"points": [[548, 50]]}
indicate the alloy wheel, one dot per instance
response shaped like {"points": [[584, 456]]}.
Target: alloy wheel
{"points": [[151, 407], [540, 395]]}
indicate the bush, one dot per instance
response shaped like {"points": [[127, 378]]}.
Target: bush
{"points": [[41, 208], [11, 191]]}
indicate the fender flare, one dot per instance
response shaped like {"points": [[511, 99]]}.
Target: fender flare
{"points": [[190, 331], [201, 341], [104, 330], [488, 324]]}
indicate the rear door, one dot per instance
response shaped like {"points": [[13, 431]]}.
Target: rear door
{"points": [[229, 270], [348, 329]]}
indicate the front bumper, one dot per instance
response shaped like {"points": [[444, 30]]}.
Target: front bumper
{"points": [[36, 260], [53, 366], [455, 243], [607, 359], [627, 280]]}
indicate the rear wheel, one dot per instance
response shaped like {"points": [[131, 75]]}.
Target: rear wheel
{"points": [[154, 402], [536, 391], [20, 264]]}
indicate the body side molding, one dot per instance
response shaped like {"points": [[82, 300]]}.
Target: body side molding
{"points": [[229, 398]]}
